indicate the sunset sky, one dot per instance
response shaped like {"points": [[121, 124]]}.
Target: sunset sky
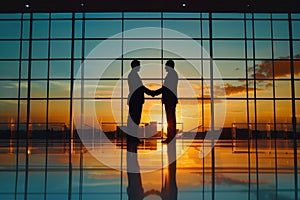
{"points": [[235, 62]]}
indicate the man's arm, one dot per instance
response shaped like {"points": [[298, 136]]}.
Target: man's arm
{"points": [[158, 92], [148, 92]]}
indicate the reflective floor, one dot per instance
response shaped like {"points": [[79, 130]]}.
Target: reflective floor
{"points": [[244, 169]]}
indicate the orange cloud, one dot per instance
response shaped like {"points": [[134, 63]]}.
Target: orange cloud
{"points": [[281, 68]]}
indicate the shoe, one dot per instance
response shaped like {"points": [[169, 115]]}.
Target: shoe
{"points": [[166, 141]]}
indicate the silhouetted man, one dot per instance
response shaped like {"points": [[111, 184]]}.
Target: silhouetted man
{"points": [[169, 98], [135, 101]]}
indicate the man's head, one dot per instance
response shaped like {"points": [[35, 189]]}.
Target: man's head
{"points": [[135, 63], [170, 64]]}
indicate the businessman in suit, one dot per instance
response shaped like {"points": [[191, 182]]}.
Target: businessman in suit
{"points": [[169, 99], [135, 101]]}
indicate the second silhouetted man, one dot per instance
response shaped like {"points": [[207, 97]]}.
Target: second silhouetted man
{"points": [[169, 99]]}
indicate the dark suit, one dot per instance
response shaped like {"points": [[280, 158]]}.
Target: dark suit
{"points": [[135, 101], [169, 98]]}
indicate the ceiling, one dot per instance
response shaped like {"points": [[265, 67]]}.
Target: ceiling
{"points": [[151, 5]]}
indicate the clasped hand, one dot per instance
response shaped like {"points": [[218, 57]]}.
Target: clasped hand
{"points": [[153, 93]]}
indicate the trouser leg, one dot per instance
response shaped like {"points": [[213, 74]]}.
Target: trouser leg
{"points": [[134, 119], [171, 119]]}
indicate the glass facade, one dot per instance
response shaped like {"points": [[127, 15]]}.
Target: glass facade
{"points": [[257, 54]]}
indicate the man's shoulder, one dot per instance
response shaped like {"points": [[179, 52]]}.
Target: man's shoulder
{"points": [[132, 74], [174, 73]]}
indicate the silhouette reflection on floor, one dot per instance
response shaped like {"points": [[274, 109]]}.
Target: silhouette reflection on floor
{"points": [[135, 188]]}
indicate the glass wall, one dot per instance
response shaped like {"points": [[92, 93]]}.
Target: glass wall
{"points": [[257, 55], [41, 55]]}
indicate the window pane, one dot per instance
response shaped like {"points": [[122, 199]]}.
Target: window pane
{"points": [[263, 49], [249, 29], [263, 69], [280, 29], [297, 89], [39, 69], [40, 29], [61, 29], [110, 49], [9, 69], [60, 49], [250, 49], [142, 15], [9, 110], [228, 49], [25, 49], [191, 28], [102, 28], [59, 111], [235, 112], [60, 69], [26, 29], [297, 69], [142, 48], [296, 49], [9, 89], [40, 15], [40, 49], [282, 89], [265, 112], [282, 69], [104, 88], [61, 15], [23, 89], [231, 68], [298, 109], [10, 29], [296, 29], [233, 89], [59, 89], [228, 15], [264, 89], [78, 49], [283, 111], [281, 49], [295, 16], [76, 72], [262, 29], [205, 28], [185, 89], [188, 68], [38, 113], [78, 29], [9, 49], [104, 112], [38, 89], [146, 33], [24, 69], [262, 16], [112, 68], [10, 16], [103, 15], [228, 29], [188, 49], [180, 15]]}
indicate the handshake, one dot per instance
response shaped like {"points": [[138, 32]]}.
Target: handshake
{"points": [[154, 93]]}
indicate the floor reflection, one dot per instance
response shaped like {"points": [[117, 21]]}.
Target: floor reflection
{"points": [[135, 188], [242, 170]]}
